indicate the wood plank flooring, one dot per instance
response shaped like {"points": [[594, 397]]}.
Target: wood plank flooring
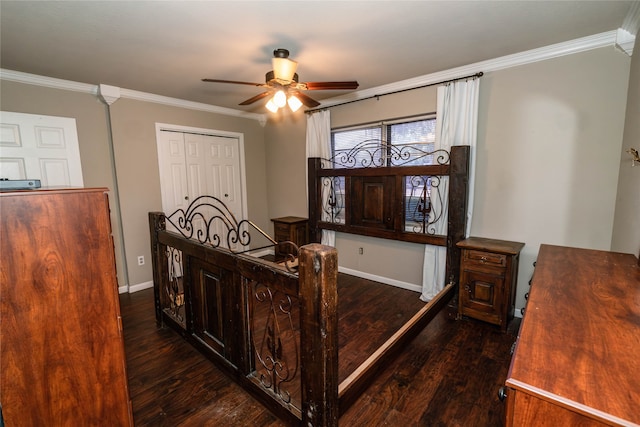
{"points": [[448, 376]]}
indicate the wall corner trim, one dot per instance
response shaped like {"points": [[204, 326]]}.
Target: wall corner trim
{"points": [[109, 94]]}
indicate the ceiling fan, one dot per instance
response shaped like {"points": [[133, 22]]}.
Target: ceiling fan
{"points": [[283, 83]]}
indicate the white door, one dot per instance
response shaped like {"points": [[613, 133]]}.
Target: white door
{"points": [[192, 165], [40, 147]]}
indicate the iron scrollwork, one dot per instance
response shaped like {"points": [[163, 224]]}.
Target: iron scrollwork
{"points": [[333, 199], [374, 153], [174, 290], [421, 214], [275, 340], [214, 217]]}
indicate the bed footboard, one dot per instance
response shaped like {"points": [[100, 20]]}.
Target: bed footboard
{"points": [[274, 331]]}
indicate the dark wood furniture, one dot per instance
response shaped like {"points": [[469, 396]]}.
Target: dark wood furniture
{"points": [[576, 358], [488, 278], [292, 229], [62, 358], [274, 329], [398, 202]]}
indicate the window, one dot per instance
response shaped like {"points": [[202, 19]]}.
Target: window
{"points": [[398, 143]]}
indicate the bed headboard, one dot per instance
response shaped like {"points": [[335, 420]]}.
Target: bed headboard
{"points": [[352, 193]]}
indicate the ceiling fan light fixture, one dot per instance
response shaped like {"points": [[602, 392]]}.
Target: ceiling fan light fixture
{"points": [[271, 106], [285, 82], [294, 103], [284, 68], [280, 99]]}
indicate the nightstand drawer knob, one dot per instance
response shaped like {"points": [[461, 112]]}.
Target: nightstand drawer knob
{"points": [[467, 288], [483, 259], [502, 394]]}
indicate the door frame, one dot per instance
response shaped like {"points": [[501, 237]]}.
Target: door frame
{"points": [[211, 132]]}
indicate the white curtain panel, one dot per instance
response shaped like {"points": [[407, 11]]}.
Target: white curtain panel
{"points": [[319, 145], [456, 124]]}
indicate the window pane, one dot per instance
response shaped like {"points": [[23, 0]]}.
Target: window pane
{"points": [[367, 144], [410, 141]]}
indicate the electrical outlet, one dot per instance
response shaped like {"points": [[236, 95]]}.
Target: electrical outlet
{"points": [[141, 260], [361, 251]]}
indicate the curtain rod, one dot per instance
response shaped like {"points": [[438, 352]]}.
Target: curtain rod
{"points": [[472, 76]]}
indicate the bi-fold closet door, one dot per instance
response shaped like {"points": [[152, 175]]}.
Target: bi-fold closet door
{"points": [[195, 164]]}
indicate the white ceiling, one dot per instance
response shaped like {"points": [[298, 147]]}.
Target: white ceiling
{"points": [[167, 47]]}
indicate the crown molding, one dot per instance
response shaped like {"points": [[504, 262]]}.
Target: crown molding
{"points": [[165, 100], [51, 82], [54, 83], [527, 57]]}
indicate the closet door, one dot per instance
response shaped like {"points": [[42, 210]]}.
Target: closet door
{"points": [[193, 165], [173, 171]]}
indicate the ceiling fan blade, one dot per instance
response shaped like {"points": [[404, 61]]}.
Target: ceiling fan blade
{"points": [[332, 85], [255, 98], [233, 81], [306, 100]]}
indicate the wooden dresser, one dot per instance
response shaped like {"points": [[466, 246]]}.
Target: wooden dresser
{"points": [[488, 278], [577, 357], [62, 359]]}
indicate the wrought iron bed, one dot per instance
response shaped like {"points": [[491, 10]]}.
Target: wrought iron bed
{"points": [[274, 327]]}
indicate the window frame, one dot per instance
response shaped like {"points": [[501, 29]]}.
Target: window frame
{"points": [[386, 144]]}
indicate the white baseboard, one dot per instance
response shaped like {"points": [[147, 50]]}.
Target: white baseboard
{"points": [[260, 253], [140, 286], [385, 280]]}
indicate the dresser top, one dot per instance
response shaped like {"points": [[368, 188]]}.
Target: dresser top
{"points": [[50, 190], [289, 219], [579, 343], [491, 245]]}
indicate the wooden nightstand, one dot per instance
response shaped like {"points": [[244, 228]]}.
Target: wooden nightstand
{"points": [[488, 277], [292, 229]]}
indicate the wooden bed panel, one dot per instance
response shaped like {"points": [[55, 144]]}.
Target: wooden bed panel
{"points": [[375, 197]]}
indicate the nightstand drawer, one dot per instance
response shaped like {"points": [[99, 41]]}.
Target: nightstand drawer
{"points": [[281, 231], [488, 258]]}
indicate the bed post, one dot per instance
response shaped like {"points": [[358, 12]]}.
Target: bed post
{"points": [[457, 221], [157, 223], [315, 205], [319, 334]]}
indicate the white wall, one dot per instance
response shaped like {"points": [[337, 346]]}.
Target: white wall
{"points": [[549, 141]]}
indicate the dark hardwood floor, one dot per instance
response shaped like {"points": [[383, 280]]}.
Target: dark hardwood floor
{"points": [[448, 376]]}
